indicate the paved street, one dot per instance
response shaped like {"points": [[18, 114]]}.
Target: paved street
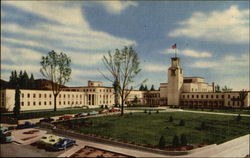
{"points": [[15, 150]]}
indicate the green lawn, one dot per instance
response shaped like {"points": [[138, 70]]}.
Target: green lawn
{"points": [[50, 113], [143, 128], [233, 111]]}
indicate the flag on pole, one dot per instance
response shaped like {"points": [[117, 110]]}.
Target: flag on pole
{"points": [[174, 46]]}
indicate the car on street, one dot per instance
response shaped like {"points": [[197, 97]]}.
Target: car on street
{"points": [[49, 140], [64, 143], [80, 115], [65, 117], [6, 136], [26, 124], [93, 113], [104, 111], [47, 119], [114, 109]]}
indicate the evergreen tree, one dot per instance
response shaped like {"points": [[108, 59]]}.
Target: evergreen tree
{"points": [[182, 123], [16, 109], [152, 88], [25, 80], [20, 79], [171, 119], [145, 88], [183, 140], [11, 80], [162, 142], [175, 141], [32, 82], [141, 87]]}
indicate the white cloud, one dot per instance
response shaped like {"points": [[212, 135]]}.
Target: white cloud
{"points": [[117, 6], [188, 52], [155, 68], [204, 64], [229, 26], [27, 67], [70, 33]]}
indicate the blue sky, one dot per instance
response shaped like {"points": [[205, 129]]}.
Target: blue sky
{"points": [[212, 37]]}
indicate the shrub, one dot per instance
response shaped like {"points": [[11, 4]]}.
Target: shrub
{"points": [[145, 111], [130, 113], [157, 111], [149, 112], [203, 126], [106, 107], [175, 141], [171, 119], [182, 123], [238, 118], [162, 142], [183, 140]]}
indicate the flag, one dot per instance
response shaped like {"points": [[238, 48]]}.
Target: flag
{"points": [[174, 46]]}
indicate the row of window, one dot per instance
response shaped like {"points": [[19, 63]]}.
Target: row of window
{"points": [[90, 90], [202, 96], [50, 103], [60, 95]]}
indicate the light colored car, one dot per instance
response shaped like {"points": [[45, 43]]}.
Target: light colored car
{"points": [[93, 112], [50, 140]]}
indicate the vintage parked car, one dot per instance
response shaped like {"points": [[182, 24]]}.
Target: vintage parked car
{"points": [[93, 113], [47, 119], [81, 115], [49, 140], [65, 117], [26, 124], [64, 143], [103, 111], [6, 137], [114, 109]]}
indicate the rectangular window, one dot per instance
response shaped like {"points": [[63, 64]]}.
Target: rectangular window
{"points": [[222, 96], [64, 96], [45, 103], [59, 103], [40, 95], [228, 96], [28, 95], [50, 95], [192, 96], [59, 95], [50, 103], [39, 103], [34, 103], [45, 95], [207, 96], [201, 96], [34, 95], [69, 102], [28, 103], [212, 96], [22, 103], [22, 95], [197, 96], [217, 96], [64, 103], [228, 102]]}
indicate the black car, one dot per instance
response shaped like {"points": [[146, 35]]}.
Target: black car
{"points": [[48, 119], [27, 124]]}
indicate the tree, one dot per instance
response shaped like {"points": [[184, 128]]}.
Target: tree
{"points": [[13, 79], [145, 88], [152, 88], [171, 119], [16, 109], [32, 82], [242, 96], [182, 123], [162, 142], [116, 91], [56, 68], [238, 118], [25, 80], [141, 87], [226, 89], [183, 140], [175, 141], [124, 66], [217, 88]]}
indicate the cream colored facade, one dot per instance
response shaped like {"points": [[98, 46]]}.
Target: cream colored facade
{"points": [[179, 91]]}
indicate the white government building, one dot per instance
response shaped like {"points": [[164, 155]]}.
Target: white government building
{"points": [[179, 91]]}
